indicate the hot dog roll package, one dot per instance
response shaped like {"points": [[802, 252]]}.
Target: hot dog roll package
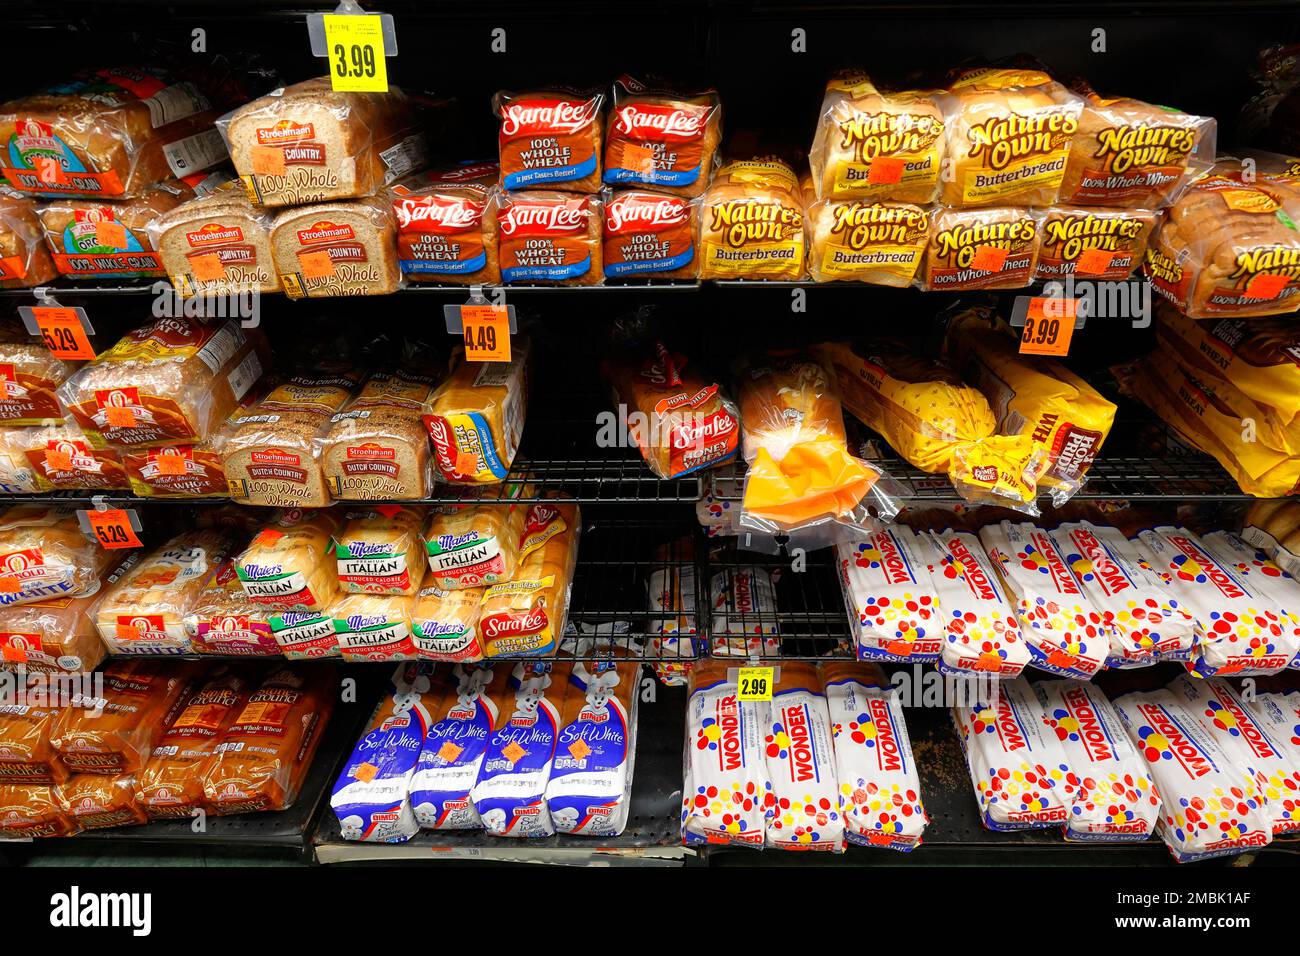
{"points": [[551, 139], [651, 235], [473, 545], [44, 555], [445, 231], [475, 418], [752, 222], [98, 801], [662, 137], [374, 627], [1093, 244], [290, 564], [226, 622], [381, 551], [444, 624], [549, 237], [890, 597], [29, 380]]}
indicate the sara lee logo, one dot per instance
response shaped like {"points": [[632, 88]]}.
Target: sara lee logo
{"points": [[440, 437], [431, 214], [325, 231], [371, 452], [541, 218], [688, 434], [212, 234], [892, 562], [1091, 732], [1061, 575], [275, 456], [1216, 575], [651, 121], [1189, 756], [1104, 568], [499, 625], [542, 117], [285, 131], [730, 754], [888, 755], [630, 213], [971, 570], [803, 763]]}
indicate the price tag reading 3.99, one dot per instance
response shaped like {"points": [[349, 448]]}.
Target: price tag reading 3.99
{"points": [[356, 53], [754, 683], [1049, 326]]}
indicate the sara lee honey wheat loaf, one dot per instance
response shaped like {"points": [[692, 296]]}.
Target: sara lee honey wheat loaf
{"points": [[550, 139], [60, 457], [29, 380], [989, 248], [649, 234], [44, 555], [878, 242], [549, 237], [1100, 244], [24, 259], [308, 143], [226, 622], [174, 380], [475, 418], [381, 551], [447, 226], [290, 565], [217, 244], [751, 223], [271, 455], [662, 137], [332, 249]]}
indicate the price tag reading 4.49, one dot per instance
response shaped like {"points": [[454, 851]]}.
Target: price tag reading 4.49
{"points": [[754, 683], [112, 528], [486, 333], [1049, 326], [63, 332], [356, 53]]}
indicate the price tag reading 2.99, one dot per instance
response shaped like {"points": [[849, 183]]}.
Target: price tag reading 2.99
{"points": [[356, 53], [754, 683]]}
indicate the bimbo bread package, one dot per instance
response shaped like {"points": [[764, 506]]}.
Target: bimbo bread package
{"points": [[886, 581], [805, 811], [981, 631]]}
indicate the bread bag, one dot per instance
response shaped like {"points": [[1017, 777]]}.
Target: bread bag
{"points": [[891, 600], [290, 564], [381, 551], [801, 764], [33, 811], [475, 418], [882, 243], [471, 545], [218, 243], [26, 755], [752, 223], [446, 227], [662, 137], [29, 380], [1093, 244], [550, 138], [226, 622], [649, 234], [24, 258], [336, 249], [61, 457], [44, 555], [98, 801], [549, 237], [444, 624], [374, 627], [987, 248]]}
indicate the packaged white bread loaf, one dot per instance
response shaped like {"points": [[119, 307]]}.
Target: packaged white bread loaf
{"points": [[337, 249], [374, 627], [886, 581], [444, 624], [29, 379], [48, 457], [469, 546], [1266, 579], [290, 565], [44, 555], [226, 622], [475, 418], [380, 551]]}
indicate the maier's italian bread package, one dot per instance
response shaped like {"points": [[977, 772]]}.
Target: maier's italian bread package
{"points": [[469, 546], [475, 418], [337, 249], [44, 555], [444, 624], [217, 243], [551, 139], [752, 223], [381, 551], [374, 627], [663, 138], [549, 237], [446, 230], [290, 564]]}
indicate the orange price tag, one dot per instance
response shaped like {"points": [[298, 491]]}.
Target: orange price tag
{"points": [[1266, 285], [112, 528], [638, 158], [58, 460], [9, 585], [268, 161], [486, 333], [316, 265], [110, 235], [119, 416], [63, 332], [16, 655], [466, 462], [269, 536], [1049, 326], [1093, 262], [207, 267], [170, 462], [885, 170], [989, 258]]}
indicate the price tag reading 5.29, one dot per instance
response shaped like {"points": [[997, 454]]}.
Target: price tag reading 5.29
{"points": [[754, 683], [356, 53]]}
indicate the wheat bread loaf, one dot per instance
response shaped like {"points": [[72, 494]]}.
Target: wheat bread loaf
{"points": [[334, 249]]}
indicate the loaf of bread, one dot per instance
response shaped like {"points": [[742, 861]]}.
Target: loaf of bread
{"points": [[217, 244], [995, 248], [44, 555], [226, 622], [17, 476], [28, 812], [663, 138], [374, 627], [381, 551], [469, 546], [307, 143], [444, 625], [751, 223], [61, 457], [24, 258], [290, 564], [550, 238], [858, 240], [1097, 244], [173, 380], [550, 138], [333, 249], [446, 226], [650, 234], [29, 380], [98, 801], [175, 471], [26, 755], [475, 418]]}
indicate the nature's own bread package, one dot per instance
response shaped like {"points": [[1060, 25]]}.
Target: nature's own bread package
{"points": [[866, 241], [1009, 137], [374, 627], [144, 611], [271, 455], [44, 555], [27, 812], [112, 133], [217, 243], [877, 145], [24, 258], [174, 380], [475, 418], [59, 457], [471, 545], [549, 237], [29, 380], [752, 223], [308, 143], [662, 137], [986, 248], [444, 624], [649, 234], [551, 139], [377, 447], [290, 565], [224, 621], [334, 249], [1095, 244], [97, 801], [446, 227], [381, 551]]}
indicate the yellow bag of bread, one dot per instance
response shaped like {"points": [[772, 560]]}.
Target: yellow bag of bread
{"points": [[882, 146], [549, 237], [993, 248], [290, 564], [1009, 137], [444, 625], [752, 223], [374, 627], [444, 231], [218, 243], [866, 241], [469, 546], [1095, 244], [44, 555], [551, 138], [60, 457], [24, 258], [29, 380], [662, 137], [381, 551], [475, 418], [337, 249]]}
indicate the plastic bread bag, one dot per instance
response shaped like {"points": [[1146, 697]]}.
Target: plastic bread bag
{"points": [[472, 545], [717, 513], [98, 801], [986, 248], [1271, 526], [290, 563], [28, 812], [61, 457], [859, 240], [1209, 805], [304, 635], [671, 593], [380, 551], [173, 380], [263, 757], [1267, 581], [891, 600], [371, 796], [444, 233], [26, 755], [309, 143], [475, 418], [551, 138], [1020, 774], [44, 555], [548, 237], [1093, 244], [651, 235], [1009, 137], [25, 260], [727, 793], [1065, 417], [17, 477], [219, 243], [29, 380], [743, 611], [337, 249], [877, 145], [1147, 622], [444, 625], [170, 785], [1116, 799], [662, 137], [752, 222], [374, 627], [225, 621]]}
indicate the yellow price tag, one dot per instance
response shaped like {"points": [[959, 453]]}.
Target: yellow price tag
{"points": [[356, 52], [754, 683]]}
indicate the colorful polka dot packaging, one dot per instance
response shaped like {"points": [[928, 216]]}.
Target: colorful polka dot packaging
{"points": [[891, 601], [727, 794], [1209, 806], [879, 789], [1266, 579], [671, 594], [1280, 714], [1248, 742], [1147, 623], [1065, 633], [981, 633], [744, 612], [1019, 772], [1115, 799], [805, 808]]}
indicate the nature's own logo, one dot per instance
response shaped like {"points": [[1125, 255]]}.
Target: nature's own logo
{"points": [[868, 224], [1139, 145], [325, 231], [537, 218], [1280, 260], [960, 243], [533, 117], [1161, 267], [629, 213], [440, 215], [285, 131], [886, 134], [653, 121], [1002, 140], [1075, 233], [214, 233], [275, 456], [747, 221]]}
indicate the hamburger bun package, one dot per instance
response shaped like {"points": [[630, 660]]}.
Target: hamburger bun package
{"points": [[662, 137], [551, 138], [752, 222]]}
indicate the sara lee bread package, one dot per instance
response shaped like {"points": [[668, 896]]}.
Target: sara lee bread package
{"points": [[290, 563], [469, 546], [217, 243], [549, 237], [1097, 244], [444, 624], [59, 457], [649, 234], [661, 137], [1009, 137], [144, 611], [336, 249], [475, 418], [986, 248], [24, 259], [446, 227], [381, 551], [308, 143], [1228, 247], [374, 627], [174, 380], [112, 133], [44, 555], [752, 223], [272, 454], [28, 812], [551, 138], [866, 241], [887, 586], [880, 146], [377, 446], [29, 380]]}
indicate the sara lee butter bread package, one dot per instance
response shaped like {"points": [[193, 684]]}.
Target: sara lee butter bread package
{"points": [[98, 801], [877, 145], [224, 621], [887, 586], [45, 555], [662, 137], [445, 231], [24, 258], [985, 248], [381, 551], [308, 143], [752, 223], [550, 238], [144, 611], [551, 139], [59, 457], [374, 627], [173, 380], [475, 418], [26, 755], [469, 546], [290, 563], [805, 807], [649, 234], [337, 249], [28, 812], [861, 240], [1093, 244], [219, 243], [444, 624], [29, 380]]}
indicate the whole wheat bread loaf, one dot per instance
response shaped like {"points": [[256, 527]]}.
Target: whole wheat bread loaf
{"points": [[332, 249]]}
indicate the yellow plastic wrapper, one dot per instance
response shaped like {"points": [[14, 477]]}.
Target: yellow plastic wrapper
{"points": [[475, 418], [751, 223]]}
